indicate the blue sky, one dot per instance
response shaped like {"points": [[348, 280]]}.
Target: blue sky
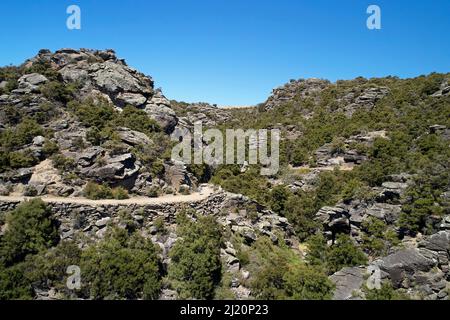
{"points": [[234, 52]]}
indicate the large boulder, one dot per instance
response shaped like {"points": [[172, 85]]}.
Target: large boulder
{"points": [[133, 99], [133, 138], [88, 156], [163, 115], [401, 265], [117, 170], [383, 211], [114, 78], [348, 283], [176, 175], [334, 219], [437, 242], [30, 83], [21, 175]]}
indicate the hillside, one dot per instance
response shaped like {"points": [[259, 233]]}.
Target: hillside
{"points": [[363, 185]]}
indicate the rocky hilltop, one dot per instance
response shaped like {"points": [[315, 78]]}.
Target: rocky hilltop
{"points": [[360, 208], [49, 84]]}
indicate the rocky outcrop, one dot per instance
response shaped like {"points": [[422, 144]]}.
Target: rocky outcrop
{"points": [[444, 90], [177, 176], [348, 217], [334, 220], [133, 138], [295, 89], [421, 271], [366, 100], [102, 72], [30, 83], [303, 92], [348, 282], [117, 170], [159, 110]]}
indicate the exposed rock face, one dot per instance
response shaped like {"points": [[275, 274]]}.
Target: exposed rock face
{"points": [[115, 169], [133, 138], [30, 83], [46, 178], [176, 175], [384, 211], [159, 109], [103, 72], [423, 270], [21, 175], [295, 89], [298, 91], [365, 100], [348, 283], [334, 219], [407, 261], [444, 90], [349, 217], [113, 78]]}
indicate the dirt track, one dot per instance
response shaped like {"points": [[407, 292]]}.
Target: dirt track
{"points": [[166, 199]]}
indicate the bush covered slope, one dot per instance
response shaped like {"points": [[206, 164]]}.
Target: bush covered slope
{"points": [[363, 184]]}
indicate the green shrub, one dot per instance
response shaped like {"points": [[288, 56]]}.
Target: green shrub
{"points": [[201, 171], [22, 134], [184, 190], [12, 115], [280, 274], [121, 266], [154, 192], [120, 193], [278, 197], [377, 237], [21, 160], [14, 285], [354, 189], [30, 191], [307, 283], [10, 74], [425, 201], [136, 119], [31, 229], [300, 210], [196, 265], [160, 225], [49, 148], [95, 191], [57, 91], [386, 292], [44, 68], [157, 169], [94, 114], [44, 270], [64, 164], [343, 253]]}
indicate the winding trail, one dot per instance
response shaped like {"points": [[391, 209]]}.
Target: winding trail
{"points": [[165, 199]]}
